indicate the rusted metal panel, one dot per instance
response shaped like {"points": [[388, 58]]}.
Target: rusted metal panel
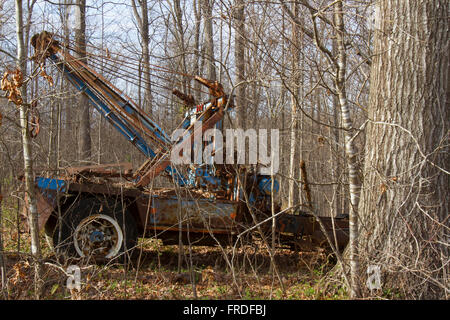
{"points": [[110, 170], [307, 227], [45, 203], [203, 215], [45, 208], [104, 189]]}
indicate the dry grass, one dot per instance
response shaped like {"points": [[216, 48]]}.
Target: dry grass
{"points": [[153, 272], [157, 276]]}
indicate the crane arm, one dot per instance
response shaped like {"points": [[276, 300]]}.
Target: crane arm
{"points": [[115, 106], [124, 115]]}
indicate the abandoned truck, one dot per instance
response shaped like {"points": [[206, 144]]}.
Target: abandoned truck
{"points": [[213, 203]]}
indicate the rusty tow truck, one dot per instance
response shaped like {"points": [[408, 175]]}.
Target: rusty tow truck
{"points": [[212, 204]]}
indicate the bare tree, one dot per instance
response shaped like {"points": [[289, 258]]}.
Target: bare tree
{"points": [[351, 151], [338, 66], [294, 108], [27, 152], [2, 258], [85, 143], [196, 6], [207, 7], [143, 24], [180, 40], [239, 53]]}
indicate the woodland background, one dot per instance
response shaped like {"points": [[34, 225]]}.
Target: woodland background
{"points": [[358, 90]]}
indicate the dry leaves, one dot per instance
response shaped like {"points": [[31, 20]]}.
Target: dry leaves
{"points": [[11, 82], [20, 270]]}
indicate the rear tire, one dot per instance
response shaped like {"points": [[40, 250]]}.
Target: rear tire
{"points": [[94, 229]]}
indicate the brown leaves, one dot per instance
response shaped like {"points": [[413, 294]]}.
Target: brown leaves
{"points": [[11, 82], [20, 270], [44, 45]]}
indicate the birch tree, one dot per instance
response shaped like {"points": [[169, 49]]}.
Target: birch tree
{"points": [[27, 151], [338, 67], [294, 121], [350, 149]]}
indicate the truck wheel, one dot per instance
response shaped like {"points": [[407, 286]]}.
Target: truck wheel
{"points": [[96, 229]]}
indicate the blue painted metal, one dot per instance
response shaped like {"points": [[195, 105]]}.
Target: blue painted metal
{"points": [[96, 236], [49, 188], [265, 185], [51, 184]]}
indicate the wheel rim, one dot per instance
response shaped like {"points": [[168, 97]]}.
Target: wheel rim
{"points": [[98, 235]]}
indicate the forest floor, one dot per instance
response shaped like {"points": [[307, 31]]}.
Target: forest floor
{"points": [[158, 276], [153, 272]]}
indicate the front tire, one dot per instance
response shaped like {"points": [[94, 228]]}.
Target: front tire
{"points": [[95, 229]]}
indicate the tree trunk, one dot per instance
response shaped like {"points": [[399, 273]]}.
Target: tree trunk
{"points": [[181, 42], [209, 39], [143, 24], [65, 104], [51, 137], [350, 150], [294, 96], [239, 56], [404, 203], [27, 154], [84, 146], [2, 258], [335, 161], [196, 6]]}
